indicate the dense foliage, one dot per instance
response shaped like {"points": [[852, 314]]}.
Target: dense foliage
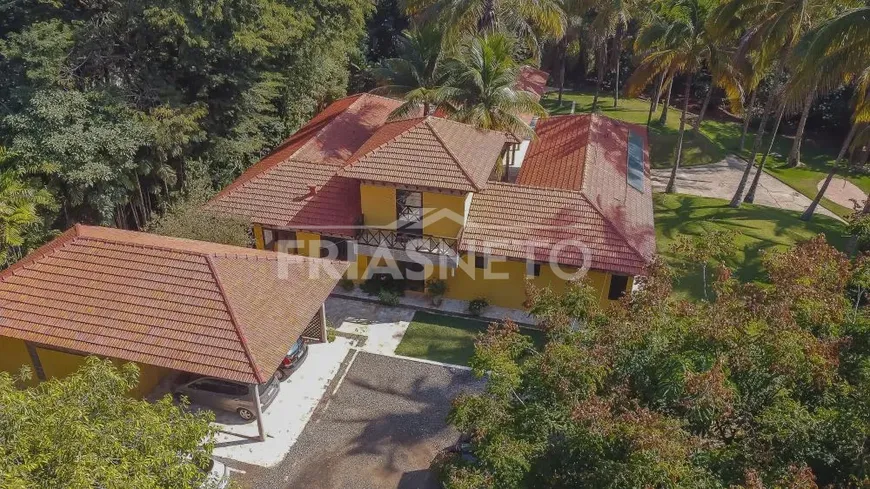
{"points": [[84, 431], [764, 386], [116, 105]]}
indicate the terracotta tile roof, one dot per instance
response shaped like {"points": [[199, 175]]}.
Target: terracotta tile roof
{"points": [[586, 156], [556, 158], [277, 190], [187, 305], [520, 222], [532, 80], [430, 152]]}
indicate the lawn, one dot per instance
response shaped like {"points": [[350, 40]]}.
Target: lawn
{"points": [[757, 228], [446, 339], [717, 139]]}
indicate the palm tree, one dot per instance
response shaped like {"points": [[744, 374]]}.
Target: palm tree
{"points": [[531, 22], [768, 33], [417, 75], [609, 23], [482, 87], [838, 52], [683, 47]]}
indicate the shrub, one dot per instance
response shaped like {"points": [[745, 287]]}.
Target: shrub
{"points": [[383, 281], [477, 306], [346, 284], [388, 298], [435, 289]]}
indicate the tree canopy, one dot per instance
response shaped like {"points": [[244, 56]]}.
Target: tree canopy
{"points": [[84, 431], [763, 386]]}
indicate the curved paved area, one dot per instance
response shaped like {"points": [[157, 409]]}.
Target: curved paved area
{"points": [[844, 192], [719, 180]]}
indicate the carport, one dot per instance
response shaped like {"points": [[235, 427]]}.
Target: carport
{"points": [[164, 303]]}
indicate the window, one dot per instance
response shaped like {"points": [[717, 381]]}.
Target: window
{"points": [[340, 243], [618, 283], [409, 211], [220, 387], [480, 261], [275, 240], [533, 269]]}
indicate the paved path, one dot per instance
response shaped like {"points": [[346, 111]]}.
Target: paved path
{"points": [[719, 180]]}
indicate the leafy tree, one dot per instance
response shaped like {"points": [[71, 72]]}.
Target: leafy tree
{"points": [[418, 74], [702, 249], [188, 218], [84, 431], [760, 387], [112, 104], [21, 200], [482, 87]]}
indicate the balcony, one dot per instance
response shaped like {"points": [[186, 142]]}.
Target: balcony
{"points": [[399, 241]]}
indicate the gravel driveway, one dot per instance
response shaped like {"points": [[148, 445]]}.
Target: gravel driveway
{"points": [[381, 429]]}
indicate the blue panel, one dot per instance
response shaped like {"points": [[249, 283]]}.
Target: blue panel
{"points": [[635, 160]]}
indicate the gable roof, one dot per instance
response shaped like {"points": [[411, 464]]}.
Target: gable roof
{"points": [[199, 307], [525, 222], [277, 190], [580, 161], [532, 80], [428, 152]]}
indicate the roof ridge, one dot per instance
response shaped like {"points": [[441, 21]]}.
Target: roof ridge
{"points": [[66, 237], [373, 95], [351, 161], [233, 320], [587, 162], [453, 156]]}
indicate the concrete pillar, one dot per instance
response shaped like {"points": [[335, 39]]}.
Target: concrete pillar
{"points": [[258, 411], [323, 337]]}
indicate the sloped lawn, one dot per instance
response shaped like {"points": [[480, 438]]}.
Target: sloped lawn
{"points": [[758, 228]]}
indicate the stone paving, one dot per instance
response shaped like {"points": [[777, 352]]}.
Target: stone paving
{"points": [[845, 193], [720, 180]]}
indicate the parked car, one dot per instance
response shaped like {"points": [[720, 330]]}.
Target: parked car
{"points": [[294, 358], [225, 394]]}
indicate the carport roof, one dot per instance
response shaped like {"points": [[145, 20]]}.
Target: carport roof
{"points": [[199, 307]]}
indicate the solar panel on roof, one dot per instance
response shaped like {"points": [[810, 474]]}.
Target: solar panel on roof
{"points": [[635, 160]]}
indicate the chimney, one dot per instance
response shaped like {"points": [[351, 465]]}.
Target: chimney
{"points": [[312, 189]]}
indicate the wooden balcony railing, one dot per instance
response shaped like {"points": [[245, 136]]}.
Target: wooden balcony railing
{"points": [[397, 240]]}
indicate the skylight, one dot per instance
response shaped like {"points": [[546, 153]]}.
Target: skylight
{"points": [[635, 160]]}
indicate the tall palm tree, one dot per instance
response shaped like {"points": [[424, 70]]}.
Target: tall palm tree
{"points": [[768, 33], [609, 24], [482, 87], [838, 52], [683, 48], [532, 22], [417, 75]]}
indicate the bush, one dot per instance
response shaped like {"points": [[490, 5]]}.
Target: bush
{"points": [[435, 289], [477, 306], [388, 298], [381, 282], [346, 284]]}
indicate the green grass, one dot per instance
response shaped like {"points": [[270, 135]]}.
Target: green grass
{"points": [[757, 227], [718, 139], [446, 339]]}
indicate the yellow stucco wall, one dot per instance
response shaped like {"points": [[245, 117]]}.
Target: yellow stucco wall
{"points": [[13, 355], [445, 214], [309, 244], [57, 364], [378, 206], [258, 237], [468, 283]]}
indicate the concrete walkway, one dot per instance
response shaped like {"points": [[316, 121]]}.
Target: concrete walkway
{"points": [[720, 180]]}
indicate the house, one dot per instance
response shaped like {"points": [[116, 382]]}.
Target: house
{"points": [[431, 198], [166, 304]]}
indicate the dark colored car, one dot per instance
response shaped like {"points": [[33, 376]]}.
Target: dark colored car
{"points": [[294, 358], [226, 395]]}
